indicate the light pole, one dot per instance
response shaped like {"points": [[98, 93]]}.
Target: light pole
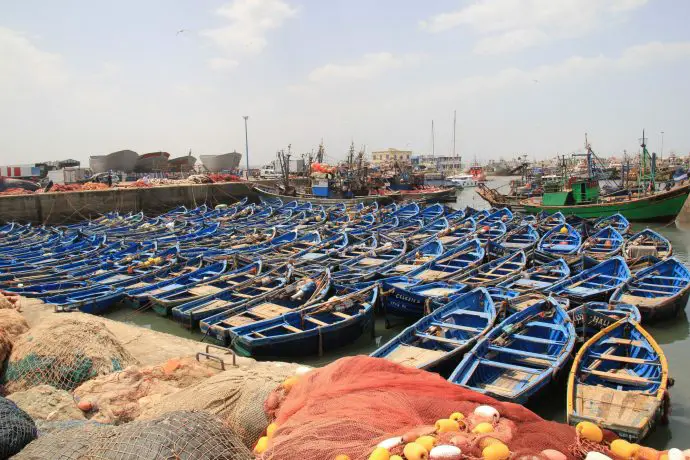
{"points": [[246, 143], [662, 145]]}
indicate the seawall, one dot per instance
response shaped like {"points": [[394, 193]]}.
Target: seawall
{"points": [[62, 207]]}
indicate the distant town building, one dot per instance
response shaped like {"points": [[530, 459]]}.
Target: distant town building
{"points": [[390, 156], [439, 163]]}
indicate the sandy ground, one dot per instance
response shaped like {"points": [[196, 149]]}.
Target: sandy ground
{"points": [[147, 346]]}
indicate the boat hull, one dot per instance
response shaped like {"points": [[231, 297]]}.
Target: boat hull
{"points": [[313, 343], [659, 207]]}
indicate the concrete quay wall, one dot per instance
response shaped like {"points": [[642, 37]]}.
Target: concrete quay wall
{"points": [[63, 207]]}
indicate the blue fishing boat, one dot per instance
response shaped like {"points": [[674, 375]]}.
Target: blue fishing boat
{"points": [[450, 264], [311, 330], [171, 298], [521, 355], [524, 237], [619, 381], [440, 338], [405, 296], [490, 232], [538, 278], [410, 261], [385, 255], [267, 284], [146, 292], [549, 222], [406, 212], [604, 244], [592, 317], [594, 284], [428, 231], [617, 221], [561, 241], [659, 291], [504, 215], [458, 233], [292, 297], [647, 243], [492, 273], [432, 212]]}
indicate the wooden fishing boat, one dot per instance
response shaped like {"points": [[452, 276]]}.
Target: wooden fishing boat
{"points": [[268, 284], [290, 297], [500, 215], [410, 261], [594, 284], [523, 237], [117, 274], [173, 297], [537, 278], [561, 241], [459, 233], [432, 212], [145, 292], [619, 380], [647, 243], [521, 355], [408, 297], [451, 264], [490, 232], [549, 222], [492, 273], [385, 255], [617, 221], [429, 194], [604, 244], [406, 211], [428, 231], [311, 330], [334, 257], [439, 339], [659, 291], [592, 317], [265, 193]]}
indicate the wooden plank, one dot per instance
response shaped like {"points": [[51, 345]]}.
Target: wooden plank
{"points": [[625, 359], [438, 339], [315, 321], [341, 314], [291, 328], [617, 341], [456, 326], [412, 356], [626, 378]]}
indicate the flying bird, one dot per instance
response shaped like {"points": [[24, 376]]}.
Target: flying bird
{"points": [[180, 31], [535, 81]]}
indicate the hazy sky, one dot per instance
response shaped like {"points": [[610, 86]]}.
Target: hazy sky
{"points": [[79, 78]]}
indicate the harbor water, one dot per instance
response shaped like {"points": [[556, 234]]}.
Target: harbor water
{"points": [[672, 335]]}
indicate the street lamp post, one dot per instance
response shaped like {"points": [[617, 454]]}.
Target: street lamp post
{"points": [[246, 143]]}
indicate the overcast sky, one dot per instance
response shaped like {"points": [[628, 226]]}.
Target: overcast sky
{"points": [[80, 78]]}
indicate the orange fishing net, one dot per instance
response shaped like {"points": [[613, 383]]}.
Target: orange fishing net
{"points": [[351, 405]]}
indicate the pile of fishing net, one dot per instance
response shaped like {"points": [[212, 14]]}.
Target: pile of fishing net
{"points": [[16, 429], [64, 352], [351, 405], [177, 435], [12, 325], [235, 395], [121, 396], [44, 402]]}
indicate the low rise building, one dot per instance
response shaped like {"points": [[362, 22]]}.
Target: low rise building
{"points": [[390, 155]]}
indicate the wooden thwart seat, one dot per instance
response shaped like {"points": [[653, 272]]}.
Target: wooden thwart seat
{"points": [[616, 377]]}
